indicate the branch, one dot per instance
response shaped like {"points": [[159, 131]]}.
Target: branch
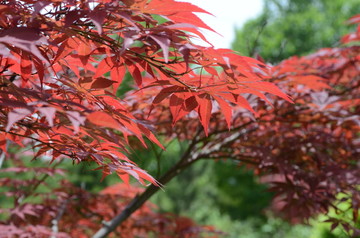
{"points": [[243, 159], [55, 221], [252, 50], [40, 141], [186, 160], [2, 158], [190, 156]]}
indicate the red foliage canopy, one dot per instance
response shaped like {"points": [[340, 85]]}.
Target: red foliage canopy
{"points": [[308, 151], [62, 63], [57, 92]]}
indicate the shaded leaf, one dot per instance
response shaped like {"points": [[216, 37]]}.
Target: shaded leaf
{"points": [[49, 113], [165, 92], [15, 116], [164, 43], [25, 38], [97, 17], [102, 83]]}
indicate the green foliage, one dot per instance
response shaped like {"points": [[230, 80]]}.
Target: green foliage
{"points": [[126, 85], [240, 195], [295, 27]]}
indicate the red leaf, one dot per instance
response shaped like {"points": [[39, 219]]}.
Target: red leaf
{"points": [[204, 110], [270, 88], [40, 69], [124, 177], [26, 66], [161, 96], [225, 109], [311, 81], [171, 7], [103, 119], [103, 67], [150, 136], [102, 83], [72, 16], [190, 104], [188, 17], [117, 74], [131, 126], [188, 28], [165, 92], [186, 107], [84, 49], [175, 106], [135, 72], [333, 226], [355, 19], [144, 175], [212, 71], [241, 101]]}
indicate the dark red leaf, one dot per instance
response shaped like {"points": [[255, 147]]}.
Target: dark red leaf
{"points": [[98, 17], [164, 43], [102, 83], [25, 38]]}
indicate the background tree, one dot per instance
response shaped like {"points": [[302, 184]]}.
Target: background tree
{"points": [[294, 27]]}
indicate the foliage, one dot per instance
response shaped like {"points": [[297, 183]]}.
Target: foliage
{"points": [[41, 209], [63, 62], [53, 95], [294, 27], [304, 152], [224, 185]]}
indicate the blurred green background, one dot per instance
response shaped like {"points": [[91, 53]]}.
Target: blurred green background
{"points": [[295, 27]]}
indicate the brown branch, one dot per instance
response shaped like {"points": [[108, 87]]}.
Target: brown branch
{"points": [[55, 221], [185, 161], [242, 159], [191, 155]]}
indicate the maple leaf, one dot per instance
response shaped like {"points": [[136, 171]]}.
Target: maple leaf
{"points": [[25, 38], [17, 115], [103, 119]]}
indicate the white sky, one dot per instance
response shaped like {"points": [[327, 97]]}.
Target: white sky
{"points": [[228, 15]]}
